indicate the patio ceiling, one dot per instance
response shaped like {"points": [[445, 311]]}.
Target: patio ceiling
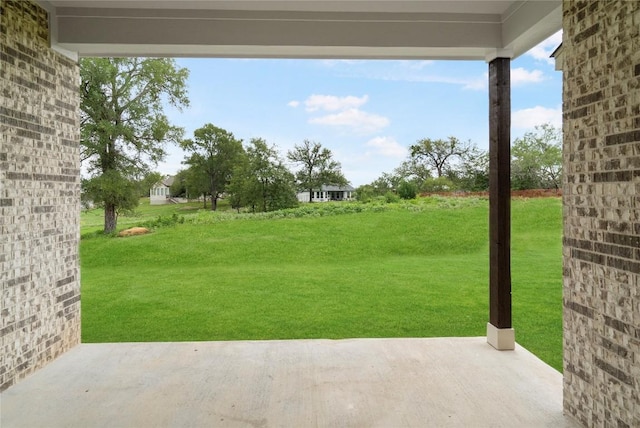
{"points": [[453, 29]]}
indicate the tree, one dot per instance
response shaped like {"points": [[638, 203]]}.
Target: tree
{"points": [[473, 172], [262, 182], [413, 171], [438, 155], [179, 186], [214, 154], [122, 125], [385, 183], [536, 159], [317, 167], [407, 190], [146, 182]]}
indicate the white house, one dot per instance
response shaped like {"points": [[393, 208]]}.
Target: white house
{"points": [[329, 193], [160, 192]]}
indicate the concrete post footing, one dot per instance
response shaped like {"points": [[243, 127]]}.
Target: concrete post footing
{"points": [[503, 339]]}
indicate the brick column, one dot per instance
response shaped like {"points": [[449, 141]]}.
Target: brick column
{"points": [[39, 195], [601, 286]]}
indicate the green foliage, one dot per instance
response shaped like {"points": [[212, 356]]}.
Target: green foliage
{"points": [[413, 269], [215, 153], [412, 170], [438, 154], [364, 193], [537, 159], [438, 184], [317, 167], [112, 188], [472, 174], [391, 197], [163, 221], [261, 181], [407, 190], [123, 128], [147, 182]]}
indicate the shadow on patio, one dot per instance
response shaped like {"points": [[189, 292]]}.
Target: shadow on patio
{"points": [[435, 382]]}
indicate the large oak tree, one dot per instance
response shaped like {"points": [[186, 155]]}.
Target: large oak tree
{"points": [[123, 126], [439, 154]]}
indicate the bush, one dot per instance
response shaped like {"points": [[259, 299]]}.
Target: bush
{"points": [[391, 197], [407, 190], [438, 184], [163, 221]]}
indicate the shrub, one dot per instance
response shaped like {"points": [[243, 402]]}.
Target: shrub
{"points": [[163, 221], [391, 197], [407, 190], [438, 184]]}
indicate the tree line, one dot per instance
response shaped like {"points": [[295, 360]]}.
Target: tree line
{"points": [[124, 132], [445, 165], [252, 175]]}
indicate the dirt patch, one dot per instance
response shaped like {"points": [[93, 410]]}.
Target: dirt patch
{"points": [[134, 231], [530, 193]]}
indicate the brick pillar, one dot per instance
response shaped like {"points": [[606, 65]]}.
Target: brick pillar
{"points": [[601, 286], [39, 195]]}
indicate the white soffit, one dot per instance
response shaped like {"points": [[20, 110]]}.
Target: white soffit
{"points": [[393, 29]]}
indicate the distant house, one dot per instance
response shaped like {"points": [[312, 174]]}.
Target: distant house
{"points": [[558, 56], [329, 193], [160, 192]]}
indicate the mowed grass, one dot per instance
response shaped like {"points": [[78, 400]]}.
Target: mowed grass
{"points": [[92, 221], [400, 272]]}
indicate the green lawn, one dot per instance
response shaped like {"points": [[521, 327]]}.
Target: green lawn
{"points": [[406, 270], [93, 220]]}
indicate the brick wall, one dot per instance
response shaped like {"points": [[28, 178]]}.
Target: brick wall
{"points": [[39, 195], [601, 49]]}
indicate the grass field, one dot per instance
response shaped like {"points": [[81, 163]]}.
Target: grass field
{"points": [[400, 270]]}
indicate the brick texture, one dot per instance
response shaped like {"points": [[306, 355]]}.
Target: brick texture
{"points": [[39, 195], [601, 105]]}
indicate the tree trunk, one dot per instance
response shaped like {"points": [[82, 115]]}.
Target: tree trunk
{"points": [[110, 218], [214, 203], [310, 195]]}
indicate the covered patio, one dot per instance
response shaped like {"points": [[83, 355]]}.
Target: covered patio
{"points": [[437, 382], [48, 378]]}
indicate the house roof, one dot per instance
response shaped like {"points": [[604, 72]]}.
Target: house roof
{"points": [[400, 29], [328, 188], [167, 181]]}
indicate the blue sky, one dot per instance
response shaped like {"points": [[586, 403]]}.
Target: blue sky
{"points": [[366, 112]]}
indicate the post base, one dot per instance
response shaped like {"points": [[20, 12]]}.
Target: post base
{"points": [[503, 339]]}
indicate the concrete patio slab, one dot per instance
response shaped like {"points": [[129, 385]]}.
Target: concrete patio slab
{"points": [[439, 382]]}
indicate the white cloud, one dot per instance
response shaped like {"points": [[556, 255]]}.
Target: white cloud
{"points": [[293, 103], [520, 76], [333, 103], [338, 62], [360, 121], [414, 65], [543, 50], [476, 84], [386, 146], [531, 117]]}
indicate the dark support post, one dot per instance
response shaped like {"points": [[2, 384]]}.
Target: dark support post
{"points": [[499, 330]]}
